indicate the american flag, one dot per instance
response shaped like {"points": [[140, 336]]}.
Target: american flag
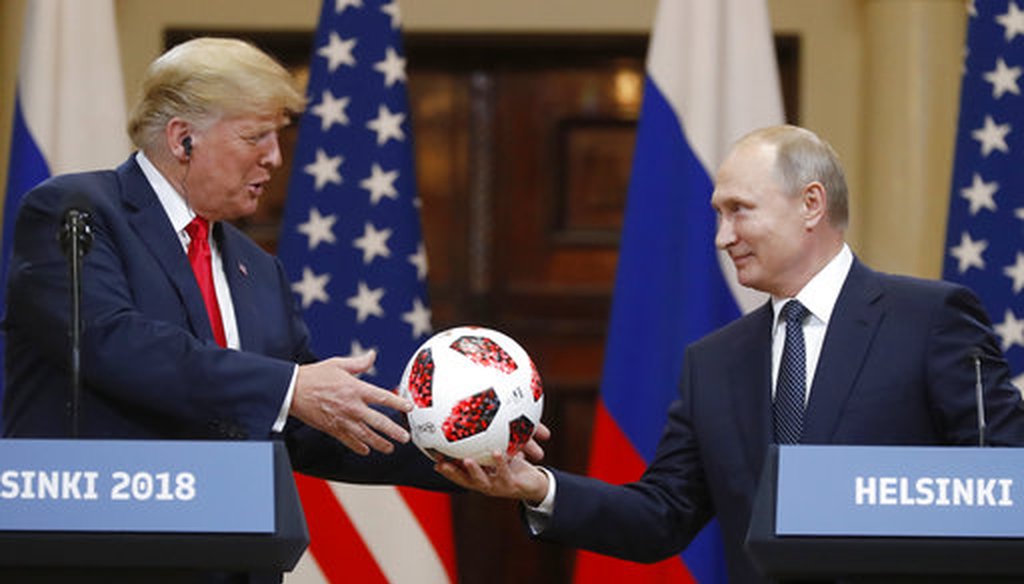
{"points": [[352, 244], [985, 236]]}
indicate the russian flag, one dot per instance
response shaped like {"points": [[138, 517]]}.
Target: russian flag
{"points": [[711, 77], [69, 112]]}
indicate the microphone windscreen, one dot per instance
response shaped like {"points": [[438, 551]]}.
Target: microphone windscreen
{"points": [[76, 201], [75, 223]]}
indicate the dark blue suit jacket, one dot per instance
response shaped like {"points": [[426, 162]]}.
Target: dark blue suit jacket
{"points": [[894, 369], [150, 366]]}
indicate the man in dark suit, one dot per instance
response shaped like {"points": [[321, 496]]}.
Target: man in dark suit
{"points": [[176, 349], [884, 360]]}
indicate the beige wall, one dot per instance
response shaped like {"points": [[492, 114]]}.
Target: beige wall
{"points": [[879, 79]]}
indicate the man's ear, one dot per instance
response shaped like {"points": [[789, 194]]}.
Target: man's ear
{"points": [[815, 204], [178, 134]]}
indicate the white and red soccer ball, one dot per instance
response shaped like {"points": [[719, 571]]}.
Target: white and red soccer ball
{"points": [[474, 391]]}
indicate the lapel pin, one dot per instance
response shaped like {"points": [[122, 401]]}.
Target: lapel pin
{"points": [[244, 270]]}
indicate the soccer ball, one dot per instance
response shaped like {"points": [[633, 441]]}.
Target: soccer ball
{"points": [[474, 391]]}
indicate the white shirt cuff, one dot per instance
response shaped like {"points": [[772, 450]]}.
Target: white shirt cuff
{"points": [[282, 416], [537, 518]]}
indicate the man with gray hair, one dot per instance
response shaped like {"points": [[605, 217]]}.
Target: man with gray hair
{"points": [[840, 354]]}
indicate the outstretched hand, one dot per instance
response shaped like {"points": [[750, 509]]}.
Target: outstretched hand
{"points": [[510, 477], [329, 397]]}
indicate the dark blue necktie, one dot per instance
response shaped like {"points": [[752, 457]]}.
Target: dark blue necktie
{"points": [[788, 411]]}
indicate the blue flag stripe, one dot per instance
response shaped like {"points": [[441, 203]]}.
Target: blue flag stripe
{"points": [[669, 287], [62, 39], [26, 169]]}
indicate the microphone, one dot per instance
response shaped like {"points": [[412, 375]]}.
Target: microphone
{"points": [[75, 240], [75, 233], [979, 395]]}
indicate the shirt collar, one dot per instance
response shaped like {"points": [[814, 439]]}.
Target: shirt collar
{"points": [[171, 200], [822, 292]]}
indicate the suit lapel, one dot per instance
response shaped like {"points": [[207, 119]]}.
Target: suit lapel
{"points": [[851, 330], [750, 385], [151, 225], [236, 269]]}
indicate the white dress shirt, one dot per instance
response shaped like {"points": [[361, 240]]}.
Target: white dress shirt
{"points": [[819, 297]]}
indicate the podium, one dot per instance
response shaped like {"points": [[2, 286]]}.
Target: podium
{"points": [[146, 511], [890, 514]]}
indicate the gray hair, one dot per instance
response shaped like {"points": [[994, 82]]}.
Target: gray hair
{"points": [[801, 157]]}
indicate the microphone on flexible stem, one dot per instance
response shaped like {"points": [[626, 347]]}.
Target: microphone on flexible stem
{"points": [[75, 238], [979, 395]]}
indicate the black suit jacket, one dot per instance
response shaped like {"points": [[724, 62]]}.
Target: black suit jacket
{"points": [[893, 369]]}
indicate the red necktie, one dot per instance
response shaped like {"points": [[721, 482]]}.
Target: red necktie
{"points": [[199, 257]]}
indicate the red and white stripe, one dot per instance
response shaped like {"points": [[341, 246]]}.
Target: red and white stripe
{"points": [[371, 534]]}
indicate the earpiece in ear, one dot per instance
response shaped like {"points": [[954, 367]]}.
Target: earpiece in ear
{"points": [[186, 143]]}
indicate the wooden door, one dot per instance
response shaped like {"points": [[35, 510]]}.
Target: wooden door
{"points": [[523, 152]]}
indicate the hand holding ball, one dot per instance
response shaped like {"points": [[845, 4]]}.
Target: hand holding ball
{"points": [[474, 390]]}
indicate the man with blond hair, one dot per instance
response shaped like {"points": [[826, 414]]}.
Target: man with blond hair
{"points": [[190, 330]]}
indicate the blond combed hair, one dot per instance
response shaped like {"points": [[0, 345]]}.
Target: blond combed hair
{"points": [[208, 78]]}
